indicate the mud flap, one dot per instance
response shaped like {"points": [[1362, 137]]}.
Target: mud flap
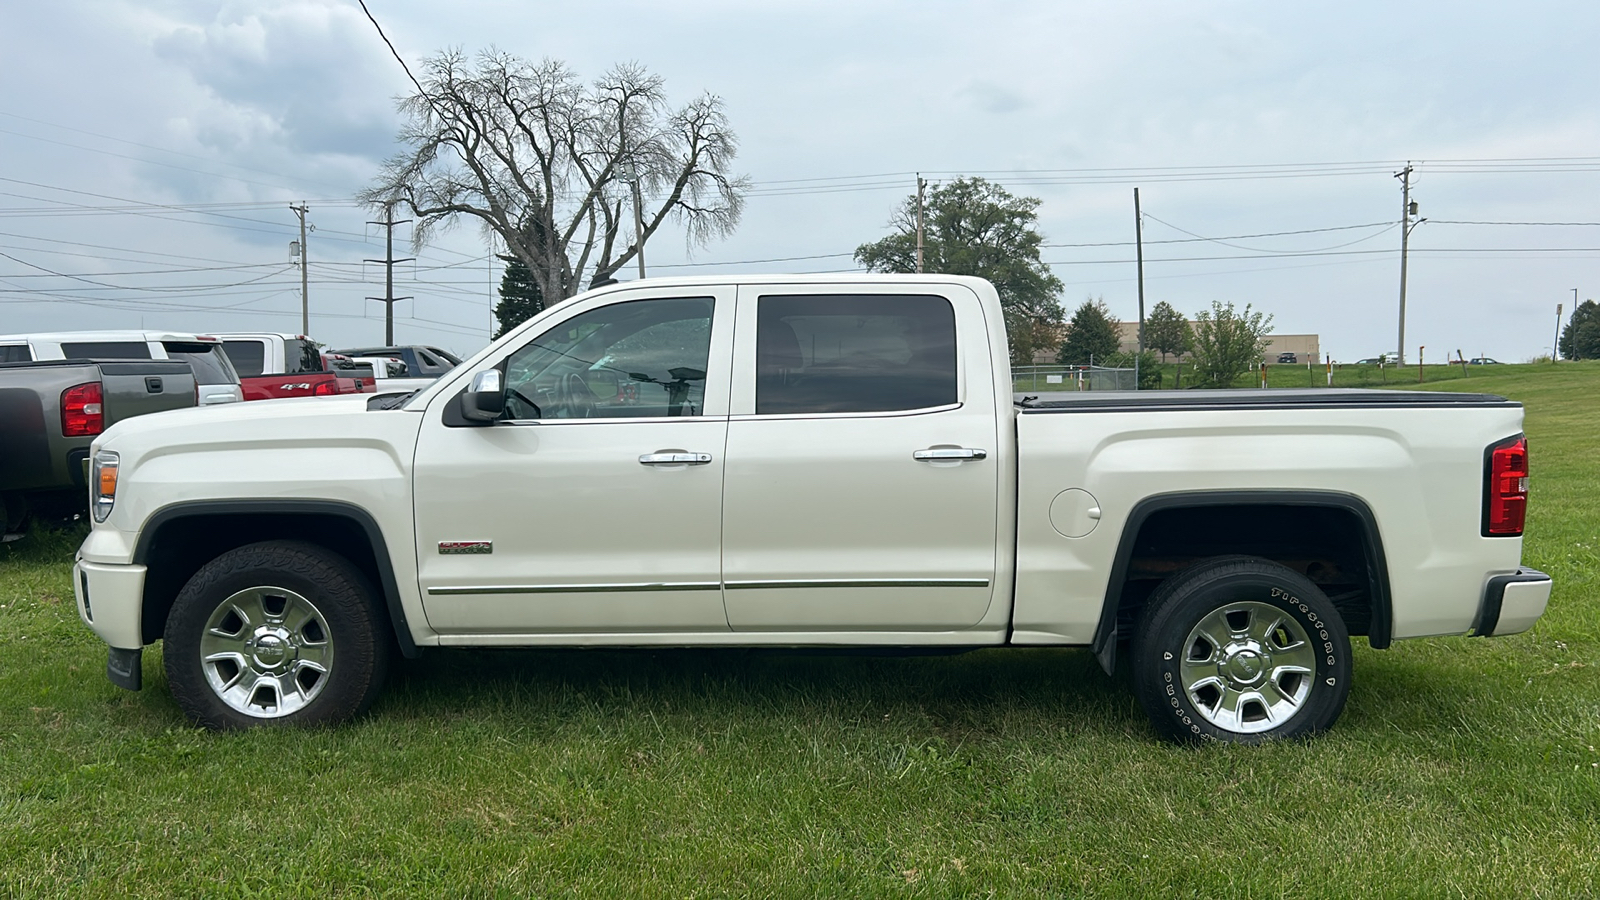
{"points": [[125, 668]]}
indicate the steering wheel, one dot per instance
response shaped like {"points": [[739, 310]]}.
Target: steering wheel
{"points": [[575, 397]]}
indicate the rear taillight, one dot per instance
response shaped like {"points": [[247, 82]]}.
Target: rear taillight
{"points": [[82, 414], [1505, 489], [324, 388]]}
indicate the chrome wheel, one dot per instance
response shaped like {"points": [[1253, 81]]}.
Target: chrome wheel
{"points": [[1247, 667], [266, 652]]}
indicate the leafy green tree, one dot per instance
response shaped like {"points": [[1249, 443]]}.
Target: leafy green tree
{"points": [[1581, 338], [520, 299], [1167, 331], [1228, 342], [1091, 335], [972, 226]]}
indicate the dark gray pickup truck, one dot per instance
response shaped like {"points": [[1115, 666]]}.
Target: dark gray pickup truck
{"points": [[51, 411]]}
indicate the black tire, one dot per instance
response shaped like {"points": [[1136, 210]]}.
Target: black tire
{"points": [[1281, 654], [322, 661]]}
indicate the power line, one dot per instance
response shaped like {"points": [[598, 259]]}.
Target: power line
{"points": [[108, 137]]}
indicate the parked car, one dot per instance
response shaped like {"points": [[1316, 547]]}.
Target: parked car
{"points": [[1483, 361], [392, 374], [1288, 358], [215, 379], [804, 461], [50, 413], [421, 362], [275, 365]]}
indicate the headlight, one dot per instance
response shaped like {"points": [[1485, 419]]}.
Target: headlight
{"points": [[103, 484]]}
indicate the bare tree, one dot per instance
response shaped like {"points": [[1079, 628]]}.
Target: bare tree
{"points": [[555, 167]]}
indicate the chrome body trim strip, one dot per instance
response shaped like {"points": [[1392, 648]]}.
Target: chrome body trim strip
{"points": [[858, 583], [447, 590]]}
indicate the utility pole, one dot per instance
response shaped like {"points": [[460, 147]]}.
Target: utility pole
{"points": [[305, 296], [1407, 209], [388, 298], [638, 216], [1138, 235], [1555, 348], [921, 185]]}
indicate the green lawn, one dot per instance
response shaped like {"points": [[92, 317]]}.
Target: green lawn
{"points": [[1462, 767]]}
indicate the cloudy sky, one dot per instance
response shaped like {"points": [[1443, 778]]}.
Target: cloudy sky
{"points": [[150, 151]]}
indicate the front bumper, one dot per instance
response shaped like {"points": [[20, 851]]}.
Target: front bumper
{"points": [[111, 601], [1512, 603]]}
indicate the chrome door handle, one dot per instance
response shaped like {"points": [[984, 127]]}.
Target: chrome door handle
{"points": [[674, 459], [944, 453]]}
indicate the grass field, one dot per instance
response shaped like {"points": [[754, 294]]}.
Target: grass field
{"points": [[1462, 767]]}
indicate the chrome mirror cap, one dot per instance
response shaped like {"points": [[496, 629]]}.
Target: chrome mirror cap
{"points": [[486, 398]]}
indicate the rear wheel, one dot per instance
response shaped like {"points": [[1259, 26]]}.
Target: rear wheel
{"points": [[277, 632], [1241, 650]]}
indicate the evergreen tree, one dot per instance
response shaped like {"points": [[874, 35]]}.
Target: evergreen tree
{"points": [[1581, 338], [520, 299], [1091, 336]]}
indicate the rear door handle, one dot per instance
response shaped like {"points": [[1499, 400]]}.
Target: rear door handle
{"points": [[945, 453], [674, 459]]}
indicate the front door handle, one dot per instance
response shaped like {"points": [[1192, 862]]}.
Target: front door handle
{"points": [[674, 459], [939, 454]]}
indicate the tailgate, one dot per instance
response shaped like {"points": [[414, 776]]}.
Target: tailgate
{"points": [[137, 388]]}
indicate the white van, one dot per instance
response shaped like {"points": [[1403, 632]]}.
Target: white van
{"points": [[214, 376]]}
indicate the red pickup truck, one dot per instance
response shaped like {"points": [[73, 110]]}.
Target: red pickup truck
{"points": [[273, 365]]}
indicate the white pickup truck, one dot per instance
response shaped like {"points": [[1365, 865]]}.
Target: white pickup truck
{"points": [[803, 462]]}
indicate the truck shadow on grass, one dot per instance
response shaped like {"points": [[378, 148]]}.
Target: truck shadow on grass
{"points": [[984, 694], [986, 691]]}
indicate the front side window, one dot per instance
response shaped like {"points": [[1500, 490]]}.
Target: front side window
{"points": [[15, 353], [634, 359], [854, 353]]}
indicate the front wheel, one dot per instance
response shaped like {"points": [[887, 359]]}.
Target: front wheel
{"points": [[1241, 650], [277, 632]]}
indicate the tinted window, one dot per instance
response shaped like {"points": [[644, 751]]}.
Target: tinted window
{"points": [[453, 359], [15, 353], [854, 353], [641, 358], [248, 357], [106, 350], [301, 356], [209, 363], [431, 365]]}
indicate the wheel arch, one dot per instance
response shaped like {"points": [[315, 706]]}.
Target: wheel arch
{"points": [[178, 539], [1361, 525]]}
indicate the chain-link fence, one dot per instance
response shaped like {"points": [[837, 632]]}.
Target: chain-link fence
{"points": [[1041, 379]]}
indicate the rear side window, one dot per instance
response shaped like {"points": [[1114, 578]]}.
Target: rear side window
{"points": [[301, 356], [248, 357], [106, 350], [208, 361], [431, 365], [15, 353], [453, 359], [854, 353]]}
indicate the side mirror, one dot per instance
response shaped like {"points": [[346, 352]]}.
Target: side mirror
{"points": [[485, 399]]}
